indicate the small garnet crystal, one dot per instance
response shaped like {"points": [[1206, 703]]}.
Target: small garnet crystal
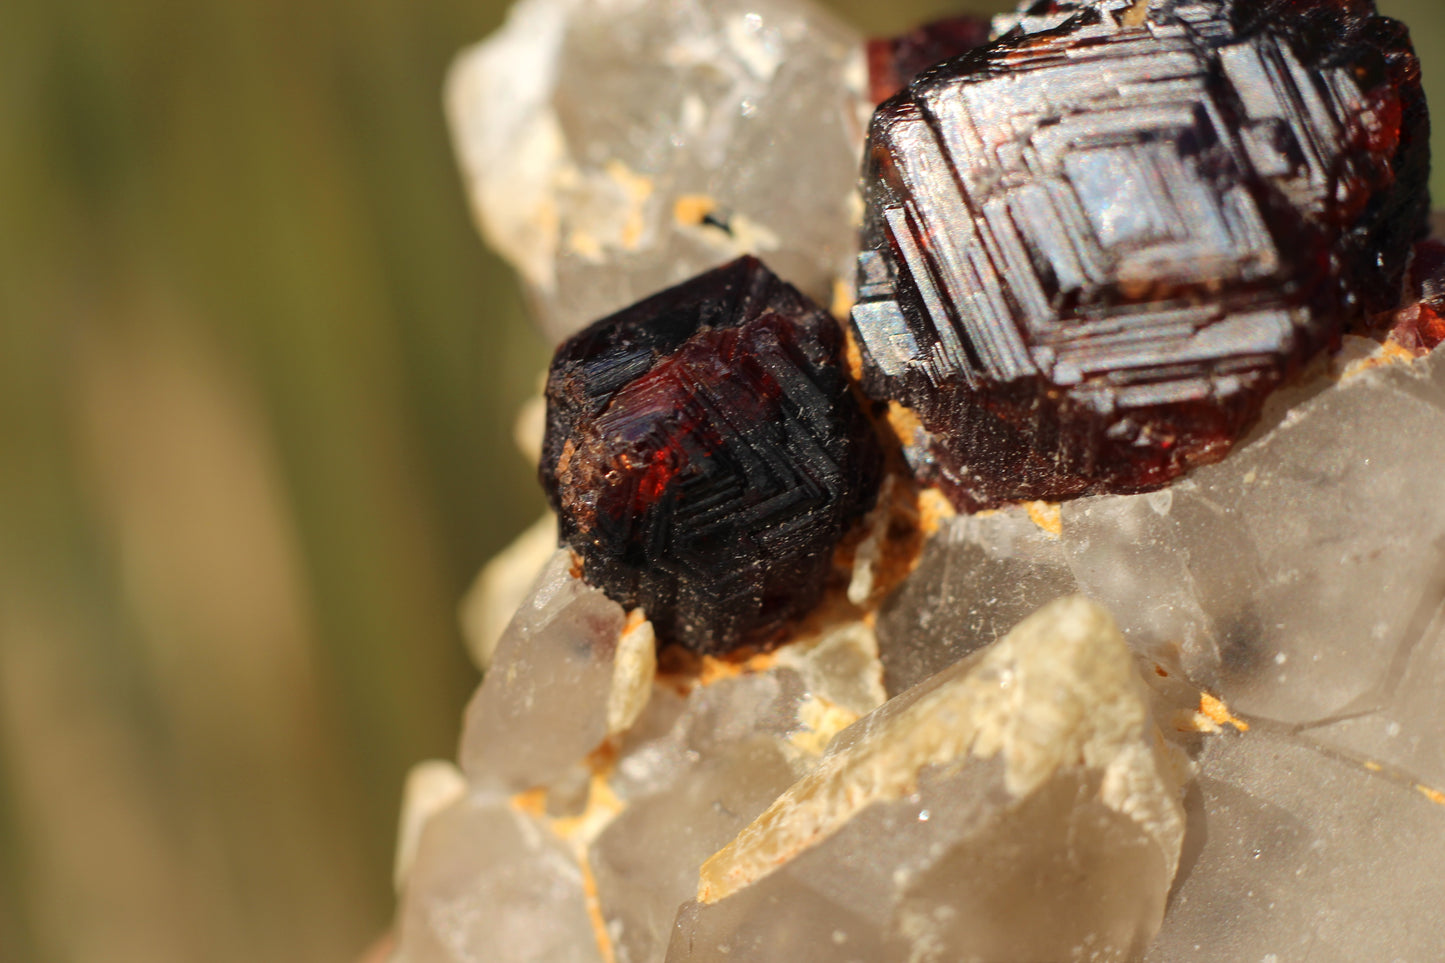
{"points": [[1094, 245], [705, 455]]}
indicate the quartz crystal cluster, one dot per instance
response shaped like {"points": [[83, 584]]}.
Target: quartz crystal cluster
{"points": [[1200, 722], [613, 148]]}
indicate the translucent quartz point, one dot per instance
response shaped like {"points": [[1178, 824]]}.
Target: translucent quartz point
{"points": [[1018, 806], [724, 760], [542, 706], [494, 885], [613, 149]]}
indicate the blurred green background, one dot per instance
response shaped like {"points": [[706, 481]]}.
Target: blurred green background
{"points": [[257, 378]]}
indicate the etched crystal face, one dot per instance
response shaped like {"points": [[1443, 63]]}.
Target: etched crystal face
{"points": [[705, 455], [1092, 250]]}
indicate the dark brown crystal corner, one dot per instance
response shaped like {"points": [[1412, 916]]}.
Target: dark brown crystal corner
{"points": [[705, 456], [1095, 245]]}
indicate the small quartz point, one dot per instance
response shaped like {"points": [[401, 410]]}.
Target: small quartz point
{"points": [[494, 885], [1299, 575], [689, 791], [1019, 805], [543, 705], [612, 149]]}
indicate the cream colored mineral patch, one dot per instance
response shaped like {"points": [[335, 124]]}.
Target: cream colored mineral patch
{"points": [[1060, 690]]}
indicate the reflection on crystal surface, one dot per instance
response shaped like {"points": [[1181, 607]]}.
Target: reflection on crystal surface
{"points": [[1304, 856]]}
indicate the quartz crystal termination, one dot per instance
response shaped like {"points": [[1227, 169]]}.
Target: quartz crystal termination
{"points": [[611, 150], [1095, 245], [705, 456]]}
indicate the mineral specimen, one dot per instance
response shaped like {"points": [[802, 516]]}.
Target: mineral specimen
{"points": [[705, 455], [614, 149], [1240, 760], [1095, 245]]}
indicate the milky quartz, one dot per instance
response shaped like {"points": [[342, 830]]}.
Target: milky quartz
{"points": [[612, 148], [494, 884], [1020, 805], [544, 704]]}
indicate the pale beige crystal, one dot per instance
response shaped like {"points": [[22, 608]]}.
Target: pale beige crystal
{"points": [[1018, 806]]}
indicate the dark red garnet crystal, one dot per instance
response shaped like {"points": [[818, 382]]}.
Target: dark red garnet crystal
{"points": [[1095, 244], [706, 456], [893, 62]]}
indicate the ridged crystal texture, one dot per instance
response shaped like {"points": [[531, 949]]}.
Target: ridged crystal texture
{"points": [[1092, 250], [705, 455]]}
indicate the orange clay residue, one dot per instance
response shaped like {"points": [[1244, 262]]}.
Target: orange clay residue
{"points": [[1434, 795], [904, 422], [841, 308], [1218, 713], [1047, 516], [852, 354], [594, 913], [533, 802], [1391, 352], [690, 209], [934, 509]]}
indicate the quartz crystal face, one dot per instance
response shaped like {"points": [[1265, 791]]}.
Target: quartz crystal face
{"points": [[613, 149], [1095, 245], [705, 455]]}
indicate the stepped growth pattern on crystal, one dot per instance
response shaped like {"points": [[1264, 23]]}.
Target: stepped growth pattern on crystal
{"points": [[1095, 245]]}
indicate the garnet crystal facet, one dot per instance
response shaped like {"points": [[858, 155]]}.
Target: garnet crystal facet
{"points": [[705, 455], [1093, 246]]}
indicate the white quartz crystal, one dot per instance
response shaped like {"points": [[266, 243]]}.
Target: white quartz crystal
{"points": [[493, 884], [544, 704], [612, 148], [1019, 806]]}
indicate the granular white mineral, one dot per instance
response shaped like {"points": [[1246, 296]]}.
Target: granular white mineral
{"points": [[613, 148]]}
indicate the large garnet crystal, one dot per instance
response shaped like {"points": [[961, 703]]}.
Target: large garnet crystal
{"points": [[1094, 245], [705, 455]]}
